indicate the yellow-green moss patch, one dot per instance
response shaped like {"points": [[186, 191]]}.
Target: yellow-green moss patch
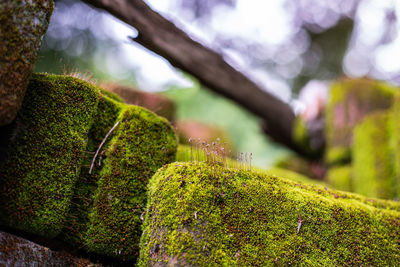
{"points": [[143, 142], [372, 164], [195, 217], [46, 184], [38, 178], [340, 177], [349, 101], [394, 143]]}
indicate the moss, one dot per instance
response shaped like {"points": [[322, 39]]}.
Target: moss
{"points": [[372, 164], [105, 116], [294, 176], [142, 143], [340, 177], [338, 155], [349, 101], [111, 95], [46, 186], [309, 168], [395, 142], [195, 217], [22, 25], [37, 179]]}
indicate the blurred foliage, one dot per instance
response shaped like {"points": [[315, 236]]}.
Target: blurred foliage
{"points": [[196, 103], [83, 39], [78, 40]]}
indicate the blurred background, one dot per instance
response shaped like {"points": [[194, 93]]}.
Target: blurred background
{"points": [[292, 48]]}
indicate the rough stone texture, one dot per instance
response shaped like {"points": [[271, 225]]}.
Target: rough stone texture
{"points": [[157, 103], [372, 173], [16, 251], [22, 25], [199, 215], [349, 102], [45, 183]]}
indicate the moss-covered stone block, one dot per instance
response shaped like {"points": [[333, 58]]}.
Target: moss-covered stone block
{"points": [[143, 143], [394, 143], [22, 25], [197, 217], [339, 177], [349, 102], [53, 183], [372, 173], [49, 139]]}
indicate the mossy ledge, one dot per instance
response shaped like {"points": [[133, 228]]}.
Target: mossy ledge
{"points": [[349, 101], [372, 173], [48, 143], [199, 216], [45, 183]]}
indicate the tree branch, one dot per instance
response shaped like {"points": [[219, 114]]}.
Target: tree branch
{"points": [[164, 38]]}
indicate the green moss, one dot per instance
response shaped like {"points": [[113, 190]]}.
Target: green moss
{"points": [[184, 155], [195, 217], [372, 165], [394, 143], [22, 25], [340, 177], [46, 186], [338, 155], [291, 175], [298, 165], [143, 142], [38, 178], [85, 188], [111, 95], [349, 101], [300, 134]]}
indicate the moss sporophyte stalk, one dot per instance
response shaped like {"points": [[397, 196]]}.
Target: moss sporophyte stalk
{"points": [[215, 154]]}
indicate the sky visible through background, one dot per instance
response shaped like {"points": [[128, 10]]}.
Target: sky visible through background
{"points": [[264, 39]]}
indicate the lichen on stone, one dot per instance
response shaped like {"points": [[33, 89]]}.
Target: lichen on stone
{"points": [[22, 25], [197, 217]]}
